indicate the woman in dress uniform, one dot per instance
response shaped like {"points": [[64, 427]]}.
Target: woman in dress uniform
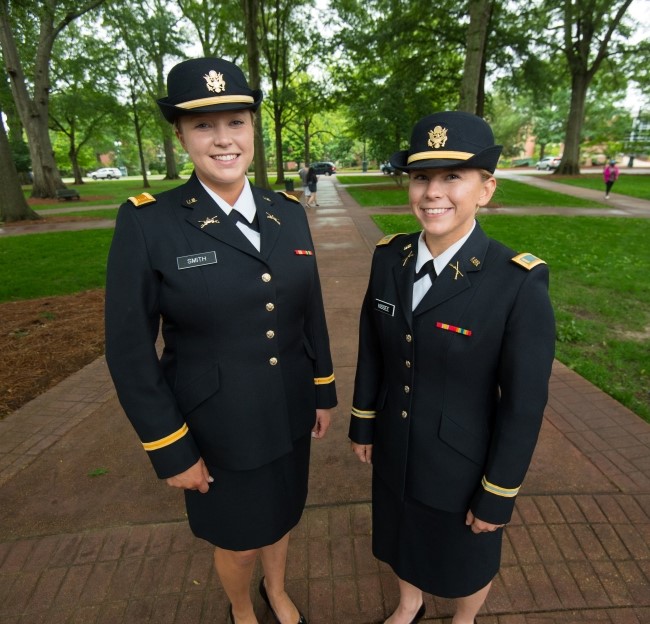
{"points": [[455, 350], [227, 271]]}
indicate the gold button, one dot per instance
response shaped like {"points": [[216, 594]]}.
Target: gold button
{"points": [[266, 277], [273, 361], [409, 338], [270, 307], [407, 389], [407, 364], [404, 414], [270, 334]]}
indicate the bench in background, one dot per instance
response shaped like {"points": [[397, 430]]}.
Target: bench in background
{"points": [[67, 194]]}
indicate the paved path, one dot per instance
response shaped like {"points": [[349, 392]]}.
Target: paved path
{"points": [[114, 548]]}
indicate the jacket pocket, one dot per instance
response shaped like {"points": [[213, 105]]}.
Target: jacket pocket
{"points": [[190, 393], [464, 441]]}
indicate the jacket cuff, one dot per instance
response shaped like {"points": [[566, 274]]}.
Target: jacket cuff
{"points": [[171, 459], [362, 426]]}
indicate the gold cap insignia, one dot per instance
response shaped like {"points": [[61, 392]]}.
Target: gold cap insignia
{"points": [[214, 81], [437, 137]]}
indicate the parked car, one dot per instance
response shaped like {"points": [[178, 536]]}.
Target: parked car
{"points": [[326, 167], [548, 162], [107, 173], [387, 168]]}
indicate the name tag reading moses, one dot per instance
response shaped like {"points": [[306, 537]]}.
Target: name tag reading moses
{"points": [[196, 260], [385, 307]]}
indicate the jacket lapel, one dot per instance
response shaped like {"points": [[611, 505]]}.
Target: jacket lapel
{"points": [[404, 273], [456, 276], [268, 218]]}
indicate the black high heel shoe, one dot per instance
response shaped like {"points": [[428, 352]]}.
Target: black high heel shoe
{"points": [[265, 598]]}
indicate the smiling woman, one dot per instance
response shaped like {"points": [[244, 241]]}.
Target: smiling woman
{"points": [[245, 381]]}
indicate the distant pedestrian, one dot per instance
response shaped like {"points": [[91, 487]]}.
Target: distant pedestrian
{"points": [[312, 187], [610, 174], [303, 172]]}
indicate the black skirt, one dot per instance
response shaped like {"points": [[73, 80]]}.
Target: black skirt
{"points": [[431, 549], [247, 509]]}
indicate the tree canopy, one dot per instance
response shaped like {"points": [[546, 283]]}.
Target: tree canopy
{"points": [[83, 76]]}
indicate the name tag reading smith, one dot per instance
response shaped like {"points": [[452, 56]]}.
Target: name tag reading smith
{"points": [[195, 260]]}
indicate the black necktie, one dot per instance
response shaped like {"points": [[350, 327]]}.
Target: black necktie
{"points": [[426, 269], [236, 216]]}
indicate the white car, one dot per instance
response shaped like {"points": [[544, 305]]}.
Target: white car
{"points": [[107, 173], [548, 162]]}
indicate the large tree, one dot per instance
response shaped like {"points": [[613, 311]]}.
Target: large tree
{"points": [[13, 206], [480, 13], [30, 76], [591, 32], [149, 35], [83, 104]]}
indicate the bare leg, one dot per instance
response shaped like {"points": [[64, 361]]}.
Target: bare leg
{"points": [[274, 562], [410, 600], [235, 570], [468, 606]]}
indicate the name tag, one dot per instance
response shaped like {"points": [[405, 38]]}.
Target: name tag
{"points": [[196, 260], [386, 308]]}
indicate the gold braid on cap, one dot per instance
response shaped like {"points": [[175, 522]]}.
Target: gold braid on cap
{"points": [[217, 99], [445, 154]]}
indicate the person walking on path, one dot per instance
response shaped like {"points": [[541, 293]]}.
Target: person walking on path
{"points": [[303, 172], [245, 379], [610, 175], [312, 186], [456, 344]]}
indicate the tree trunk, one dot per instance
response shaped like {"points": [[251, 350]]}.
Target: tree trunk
{"points": [[170, 156], [279, 159], [307, 140], [251, 13], [479, 19], [33, 112], [570, 163], [13, 206], [138, 136]]}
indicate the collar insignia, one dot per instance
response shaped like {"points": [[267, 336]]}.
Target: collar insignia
{"points": [[407, 247], [214, 81], [192, 200], [209, 221], [437, 137], [410, 255], [475, 261], [457, 269], [272, 217]]}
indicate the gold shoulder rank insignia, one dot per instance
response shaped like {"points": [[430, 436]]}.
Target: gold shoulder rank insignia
{"points": [[388, 239], [527, 260], [142, 199], [290, 197]]}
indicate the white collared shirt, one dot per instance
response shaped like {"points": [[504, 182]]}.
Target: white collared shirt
{"points": [[245, 205], [421, 286]]}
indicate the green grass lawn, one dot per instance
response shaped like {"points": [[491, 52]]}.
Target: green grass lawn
{"points": [[54, 263], [110, 192], [599, 288], [632, 184], [509, 193]]}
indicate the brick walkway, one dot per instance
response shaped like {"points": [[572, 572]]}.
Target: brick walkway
{"points": [[115, 549]]}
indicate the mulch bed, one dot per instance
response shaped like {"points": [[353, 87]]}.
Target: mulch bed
{"points": [[43, 341]]}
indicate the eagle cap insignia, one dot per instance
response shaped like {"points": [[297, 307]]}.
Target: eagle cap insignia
{"points": [[214, 81], [437, 137]]}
